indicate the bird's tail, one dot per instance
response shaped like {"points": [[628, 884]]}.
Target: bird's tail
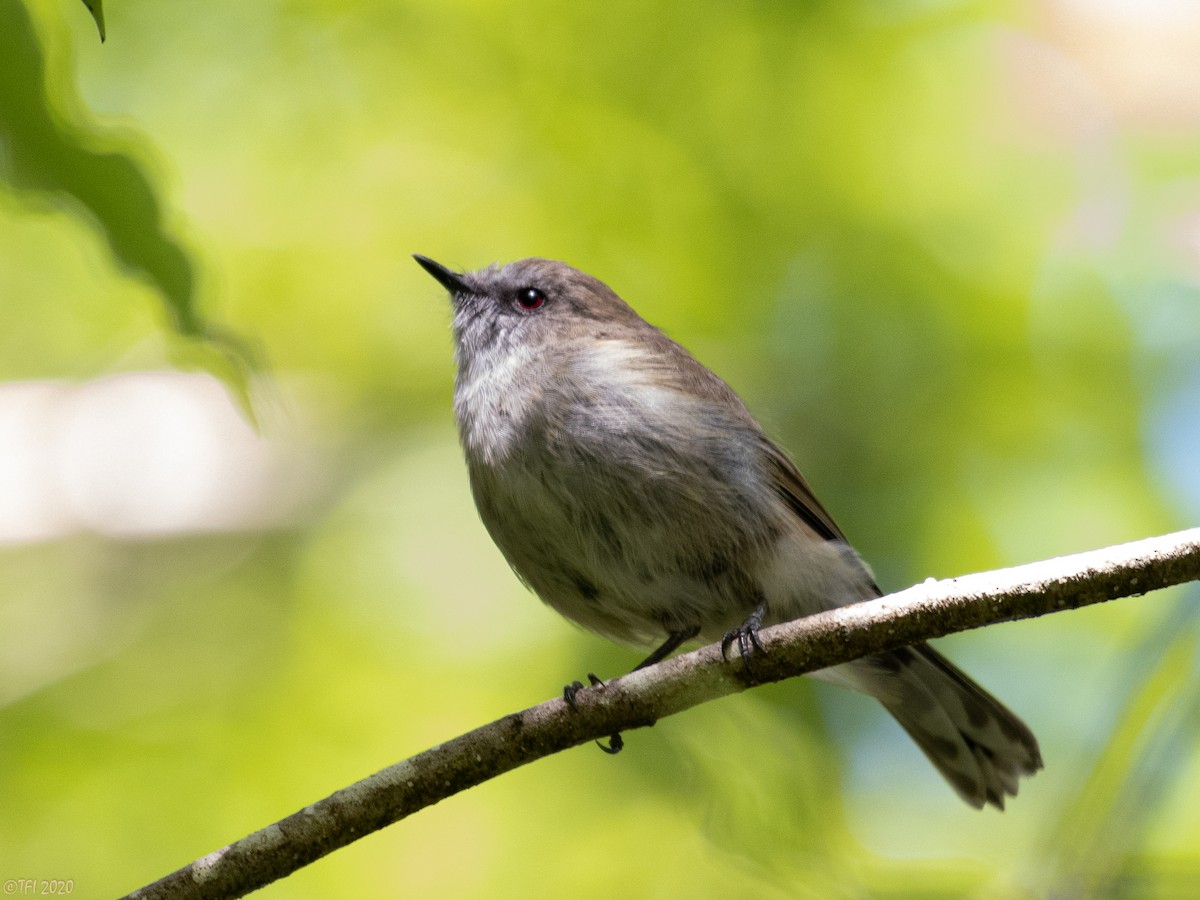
{"points": [[979, 746]]}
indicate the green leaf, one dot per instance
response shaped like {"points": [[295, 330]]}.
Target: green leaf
{"points": [[67, 155], [96, 8]]}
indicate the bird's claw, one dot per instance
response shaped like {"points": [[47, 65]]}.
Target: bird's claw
{"points": [[569, 693], [575, 687], [746, 636], [616, 743]]}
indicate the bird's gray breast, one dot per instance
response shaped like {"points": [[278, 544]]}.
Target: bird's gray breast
{"points": [[630, 507]]}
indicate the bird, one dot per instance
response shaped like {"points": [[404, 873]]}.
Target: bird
{"points": [[632, 490]]}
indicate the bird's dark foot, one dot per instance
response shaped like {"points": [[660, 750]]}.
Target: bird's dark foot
{"points": [[575, 687], [669, 646], [616, 744], [570, 691], [746, 636]]}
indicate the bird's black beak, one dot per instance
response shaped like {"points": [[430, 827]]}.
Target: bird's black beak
{"points": [[451, 281]]}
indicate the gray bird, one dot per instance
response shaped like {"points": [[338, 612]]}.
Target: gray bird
{"points": [[632, 491]]}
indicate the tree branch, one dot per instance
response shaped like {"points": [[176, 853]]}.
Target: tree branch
{"points": [[638, 700]]}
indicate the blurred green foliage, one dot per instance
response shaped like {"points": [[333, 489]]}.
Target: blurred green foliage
{"points": [[944, 250]]}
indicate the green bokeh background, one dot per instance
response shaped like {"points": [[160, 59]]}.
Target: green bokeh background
{"points": [[948, 251]]}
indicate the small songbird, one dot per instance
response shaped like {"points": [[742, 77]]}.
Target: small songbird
{"points": [[631, 490]]}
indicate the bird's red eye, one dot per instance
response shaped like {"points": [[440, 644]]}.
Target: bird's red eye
{"points": [[530, 298]]}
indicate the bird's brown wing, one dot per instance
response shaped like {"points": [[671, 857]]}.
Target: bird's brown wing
{"points": [[795, 492], [674, 366]]}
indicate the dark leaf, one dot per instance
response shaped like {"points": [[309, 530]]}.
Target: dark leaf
{"points": [[96, 8]]}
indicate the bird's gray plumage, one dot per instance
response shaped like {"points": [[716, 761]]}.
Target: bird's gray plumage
{"points": [[631, 490]]}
